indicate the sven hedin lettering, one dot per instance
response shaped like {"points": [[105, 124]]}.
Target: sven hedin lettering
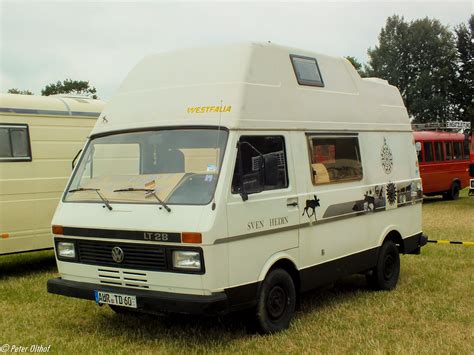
{"points": [[278, 221], [255, 225]]}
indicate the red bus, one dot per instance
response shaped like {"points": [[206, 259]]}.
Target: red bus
{"points": [[444, 160], [471, 169]]}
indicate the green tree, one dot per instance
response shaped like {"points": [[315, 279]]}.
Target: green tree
{"points": [[69, 86], [464, 88], [20, 92], [357, 65], [419, 57]]}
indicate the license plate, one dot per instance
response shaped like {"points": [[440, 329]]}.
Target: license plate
{"points": [[115, 299]]}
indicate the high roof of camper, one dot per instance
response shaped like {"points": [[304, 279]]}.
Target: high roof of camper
{"points": [[250, 86], [56, 105]]}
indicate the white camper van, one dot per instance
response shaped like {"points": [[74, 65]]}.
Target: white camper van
{"points": [[39, 137], [237, 177]]}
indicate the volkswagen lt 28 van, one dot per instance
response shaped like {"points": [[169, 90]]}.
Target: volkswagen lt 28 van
{"points": [[237, 177]]}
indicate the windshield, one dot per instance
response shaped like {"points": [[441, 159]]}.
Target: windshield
{"points": [[181, 166]]}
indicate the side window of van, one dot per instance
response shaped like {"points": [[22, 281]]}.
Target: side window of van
{"points": [[14, 143], [439, 151], [466, 149], [334, 159], [428, 148], [449, 150], [260, 164], [457, 149]]}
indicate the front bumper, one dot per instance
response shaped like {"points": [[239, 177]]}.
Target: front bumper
{"points": [[147, 301]]}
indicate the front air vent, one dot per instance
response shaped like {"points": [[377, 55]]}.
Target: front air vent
{"points": [[135, 256], [117, 277]]}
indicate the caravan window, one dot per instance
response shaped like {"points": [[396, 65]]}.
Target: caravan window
{"points": [[14, 143], [306, 70], [334, 159], [252, 151]]}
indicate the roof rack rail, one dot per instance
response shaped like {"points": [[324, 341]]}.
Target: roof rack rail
{"points": [[455, 126]]}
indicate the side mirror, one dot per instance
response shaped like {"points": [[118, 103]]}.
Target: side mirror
{"points": [[418, 146], [271, 169]]}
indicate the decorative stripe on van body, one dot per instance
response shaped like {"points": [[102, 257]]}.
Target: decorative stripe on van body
{"points": [[374, 201], [37, 112], [296, 226]]}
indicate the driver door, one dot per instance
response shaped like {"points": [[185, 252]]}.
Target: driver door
{"points": [[262, 206]]}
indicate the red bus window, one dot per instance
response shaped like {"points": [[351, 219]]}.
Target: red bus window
{"points": [[449, 150], [439, 151], [428, 151], [457, 149], [466, 149]]}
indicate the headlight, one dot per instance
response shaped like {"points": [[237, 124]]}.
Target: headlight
{"points": [[66, 250], [189, 260]]}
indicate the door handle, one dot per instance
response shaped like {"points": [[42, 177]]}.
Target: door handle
{"points": [[292, 204]]}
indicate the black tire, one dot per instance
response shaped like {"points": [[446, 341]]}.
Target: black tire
{"points": [[276, 302], [453, 193], [385, 274]]}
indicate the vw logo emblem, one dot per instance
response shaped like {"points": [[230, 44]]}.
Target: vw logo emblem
{"points": [[117, 254]]}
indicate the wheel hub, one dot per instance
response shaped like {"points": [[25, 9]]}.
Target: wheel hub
{"points": [[389, 266], [276, 302]]}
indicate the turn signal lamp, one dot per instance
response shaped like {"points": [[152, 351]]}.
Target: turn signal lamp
{"points": [[191, 237], [4, 235], [58, 230]]}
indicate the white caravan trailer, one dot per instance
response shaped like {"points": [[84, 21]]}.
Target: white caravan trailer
{"points": [[39, 137], [236, 177]]}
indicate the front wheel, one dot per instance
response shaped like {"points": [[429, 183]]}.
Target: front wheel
{"points": [[385, 274], [276, 302]]}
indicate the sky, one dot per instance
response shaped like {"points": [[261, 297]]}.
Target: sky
{"points": [[100, 41]]}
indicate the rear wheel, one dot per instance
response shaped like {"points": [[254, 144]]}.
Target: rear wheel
{"points": [[453, 192], [385, 274], [276, 302]]}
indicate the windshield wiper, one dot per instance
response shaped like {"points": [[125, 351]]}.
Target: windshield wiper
{"points": [[150, 192], [106, 202]]}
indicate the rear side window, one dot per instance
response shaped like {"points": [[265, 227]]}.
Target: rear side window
{"points": [[439, 151], [14, 143], [334, 159], [428, 151], [457, 150], [466, 149], [449, 150], [306, 70]]}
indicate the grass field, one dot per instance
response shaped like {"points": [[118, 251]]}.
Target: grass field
{"points": [[431, 311]]}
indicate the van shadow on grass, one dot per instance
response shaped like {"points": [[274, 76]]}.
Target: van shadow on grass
{"points": [[433, 199], [16, 265], [218, 332]]}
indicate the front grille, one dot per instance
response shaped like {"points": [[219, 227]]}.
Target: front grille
{"points": [[136, 256]]}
